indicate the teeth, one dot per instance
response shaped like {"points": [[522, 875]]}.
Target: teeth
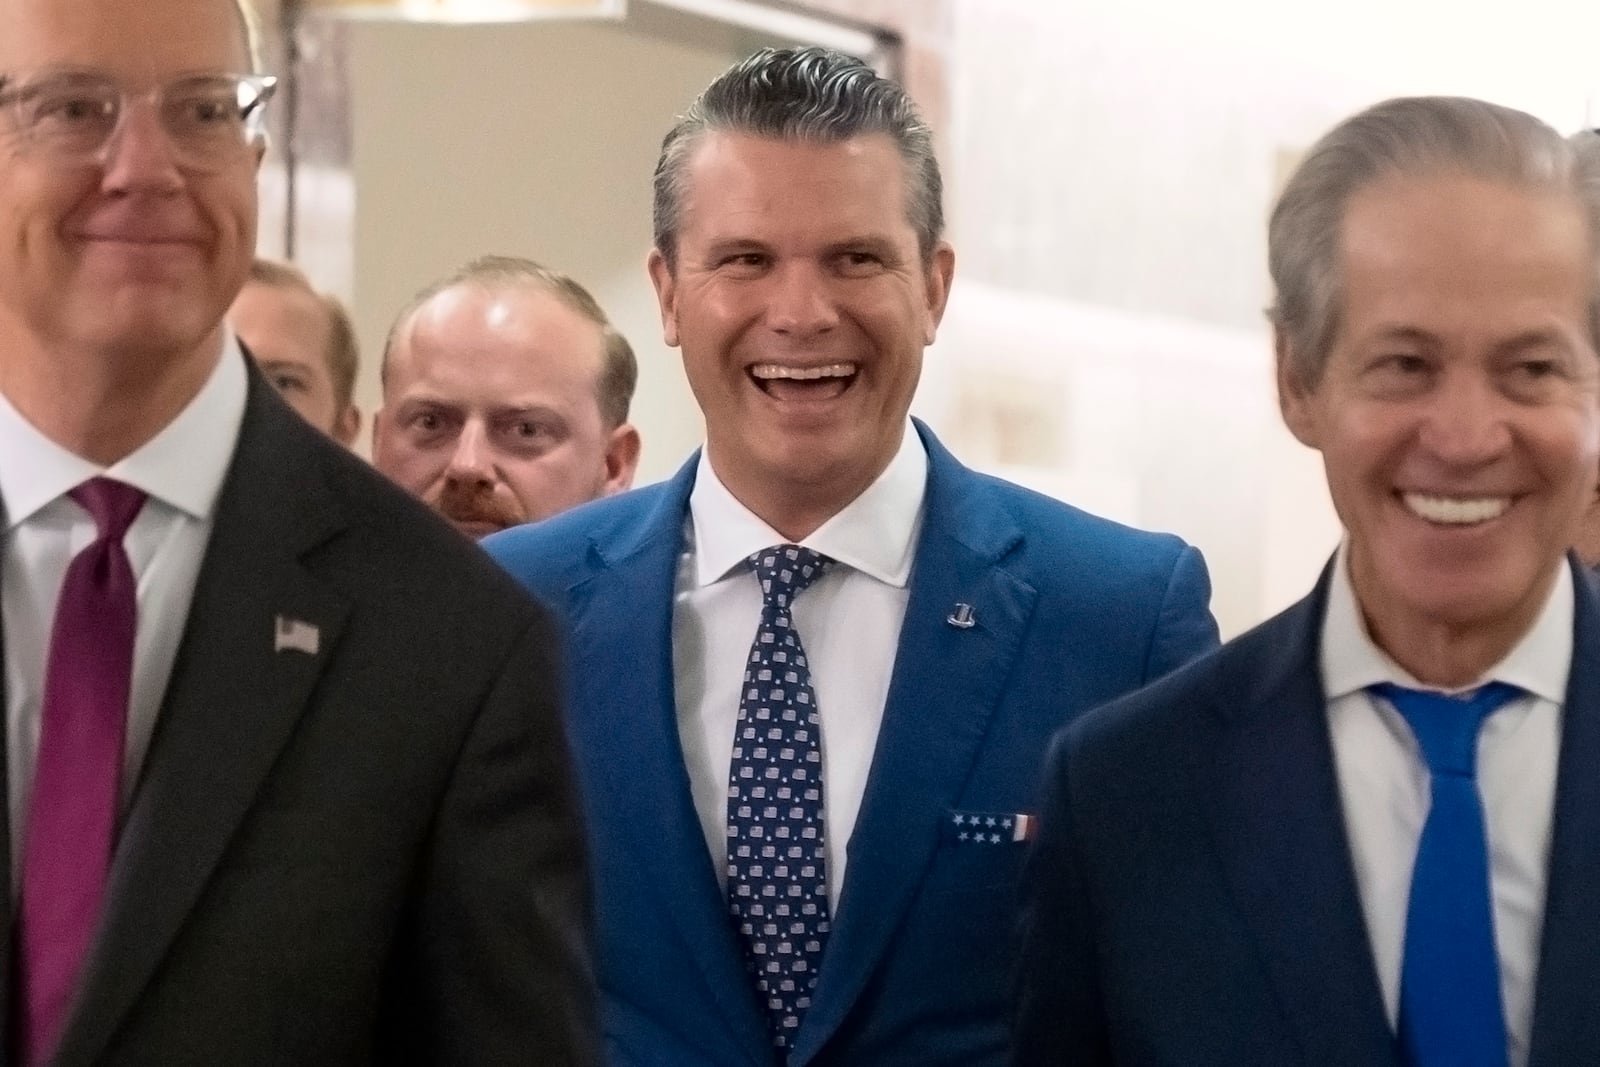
{"points": [[769, 371], [1457, 511]]}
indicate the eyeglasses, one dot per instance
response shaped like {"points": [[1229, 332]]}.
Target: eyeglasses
{"points": [[71, 117]]}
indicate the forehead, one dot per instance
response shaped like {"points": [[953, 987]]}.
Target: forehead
{"points": [[479, 341], [738, 185], [1453, 255], [283, 317], [130, 38]]}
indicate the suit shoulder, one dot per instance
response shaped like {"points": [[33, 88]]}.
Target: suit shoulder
{"points": [[402, 543], [1056, 523], [549, 555], [1065, 550], [1152, 733]]}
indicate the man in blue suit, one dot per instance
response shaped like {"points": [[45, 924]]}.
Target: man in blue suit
{"points": [[943, 623], [1368, 832]]}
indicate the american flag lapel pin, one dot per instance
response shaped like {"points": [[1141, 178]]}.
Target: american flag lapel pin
{"points": [[295, 635]]}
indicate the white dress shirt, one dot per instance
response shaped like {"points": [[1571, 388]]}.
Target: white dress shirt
{"points": [[181, 469], [848, 620], [1384, 787]]}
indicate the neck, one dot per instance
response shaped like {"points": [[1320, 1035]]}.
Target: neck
{"points": [[98, 403], [1452, 654], [795, 511]]}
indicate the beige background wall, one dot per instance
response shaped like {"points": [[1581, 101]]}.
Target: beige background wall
{"points": [[534, 140]]}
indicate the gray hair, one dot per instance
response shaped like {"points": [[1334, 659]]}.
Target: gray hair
{"points": [[619, 370], [803, 94], [1410, 136]]}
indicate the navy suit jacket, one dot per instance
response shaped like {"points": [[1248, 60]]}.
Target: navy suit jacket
{"points": [[1191, 898], [1070, 611]]}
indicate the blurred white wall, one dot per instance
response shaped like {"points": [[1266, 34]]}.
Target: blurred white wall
{"points": [[1111, 169]]}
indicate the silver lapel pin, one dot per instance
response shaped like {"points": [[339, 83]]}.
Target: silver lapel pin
{"points": [[962, 618]]}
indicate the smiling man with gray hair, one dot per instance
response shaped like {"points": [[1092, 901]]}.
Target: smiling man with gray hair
{"points": [[1365, 833]]}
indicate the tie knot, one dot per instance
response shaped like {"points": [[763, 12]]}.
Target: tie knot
{"points": [[784, 570], [1445, 726], [113, 504]]}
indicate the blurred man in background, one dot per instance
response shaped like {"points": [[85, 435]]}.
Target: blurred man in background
{"points": [[304, 343], [505, 397]]}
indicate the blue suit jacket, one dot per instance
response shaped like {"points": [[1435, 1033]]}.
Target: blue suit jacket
{"points": [[1191, 899], [1070, 612]]}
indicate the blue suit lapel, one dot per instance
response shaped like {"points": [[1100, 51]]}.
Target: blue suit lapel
{"points": [[1566, 1013], [643, 785], [946, 683], [1281, 838]]}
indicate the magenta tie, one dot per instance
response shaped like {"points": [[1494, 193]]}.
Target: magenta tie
{"points": [[72, 816]]}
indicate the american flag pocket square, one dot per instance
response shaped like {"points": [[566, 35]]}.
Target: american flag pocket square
{"points": [[988, 827]]}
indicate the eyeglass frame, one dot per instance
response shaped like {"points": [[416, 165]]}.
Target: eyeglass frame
{"points": [[252, 115]]}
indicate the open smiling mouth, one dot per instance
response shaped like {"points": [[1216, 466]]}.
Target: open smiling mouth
{"points": [[1455, 510], [803, 383]]}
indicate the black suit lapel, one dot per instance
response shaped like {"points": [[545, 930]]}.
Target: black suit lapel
{"points": [[258, 636], [1281, 837]]}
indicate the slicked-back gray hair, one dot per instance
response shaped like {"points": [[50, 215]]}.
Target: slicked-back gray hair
{"points": [[803, 94], [619, 370], [1414, 137]]}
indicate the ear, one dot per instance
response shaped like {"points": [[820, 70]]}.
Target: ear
{"points": [[666, 295], [940, 271], [1295, 398], [622, 459], [347, 426]]}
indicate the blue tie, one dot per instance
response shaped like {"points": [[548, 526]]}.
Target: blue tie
{"points": [[1450, 1009], [777, 863]]}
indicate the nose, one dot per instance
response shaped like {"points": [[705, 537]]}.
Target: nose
{"points": [[139, 155], [470, 461], [1467, 423], [801, 302]]}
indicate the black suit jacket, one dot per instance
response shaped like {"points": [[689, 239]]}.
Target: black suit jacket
{"points": [[366, 853], [1191, 899]]}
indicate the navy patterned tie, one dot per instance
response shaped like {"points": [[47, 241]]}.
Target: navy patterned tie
{"points": [[777, 863]]}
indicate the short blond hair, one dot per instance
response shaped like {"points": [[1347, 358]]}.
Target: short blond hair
{"points": [[343, 355]]}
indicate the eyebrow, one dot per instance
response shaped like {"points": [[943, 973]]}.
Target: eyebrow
{"points": [[1402, 333], [282, 364], [1536, 338], [723, 246]]}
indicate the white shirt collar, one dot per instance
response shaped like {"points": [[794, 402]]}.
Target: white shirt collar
{"points": [[876, 533], [1351, 661], [182, 466]]}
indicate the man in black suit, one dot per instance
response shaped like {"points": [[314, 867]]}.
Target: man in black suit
{"points": [[285, 775]]}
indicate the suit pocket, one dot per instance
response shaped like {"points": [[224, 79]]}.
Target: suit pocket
{"points": [[986, 829]]}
